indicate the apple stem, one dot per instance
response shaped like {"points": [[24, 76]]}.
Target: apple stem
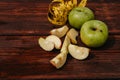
{"points": [[94, 29], [100, 30]]}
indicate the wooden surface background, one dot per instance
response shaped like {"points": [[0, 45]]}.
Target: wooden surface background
{"points": [[22, 22]]}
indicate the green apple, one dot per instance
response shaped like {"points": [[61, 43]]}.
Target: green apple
{"points": [[94, 33], [80, 15]]}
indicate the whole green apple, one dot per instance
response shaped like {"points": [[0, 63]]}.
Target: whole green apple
{"points": [[94, 33], [79, 15]]}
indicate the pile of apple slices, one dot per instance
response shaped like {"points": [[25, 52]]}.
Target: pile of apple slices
{"points": [[53, 41]]}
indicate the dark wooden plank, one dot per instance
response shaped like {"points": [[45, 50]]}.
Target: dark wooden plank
{"points": [[22, 22], [29, 43], [18, 18], [21, 57]]}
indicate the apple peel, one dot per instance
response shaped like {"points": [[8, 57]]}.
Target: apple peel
{"points": [[82, 3], [59, 9]]}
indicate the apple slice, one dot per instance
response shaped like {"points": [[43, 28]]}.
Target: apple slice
{"points": [[46, 45], [60, 32], [59, 60], [56, 40], [65, 45], [72, 34], [77, 52]]}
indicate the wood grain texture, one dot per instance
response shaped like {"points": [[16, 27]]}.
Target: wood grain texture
{"points": [[22, 22]]}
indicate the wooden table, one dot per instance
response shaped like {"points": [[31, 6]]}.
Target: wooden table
{"points": [[22, 22]]}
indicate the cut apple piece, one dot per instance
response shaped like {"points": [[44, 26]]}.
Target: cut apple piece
{"points": [[65, 44], [56, 40], [46, 45], [72, 34], [60, 32], [59, 60], [77, 52]]}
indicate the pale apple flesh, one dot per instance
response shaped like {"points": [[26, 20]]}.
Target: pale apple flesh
{"points": [[65, 45], [60, 59], [50, 43], [46, 45], [60, 32], [77, 52], [72, 34], [56, 40]]}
